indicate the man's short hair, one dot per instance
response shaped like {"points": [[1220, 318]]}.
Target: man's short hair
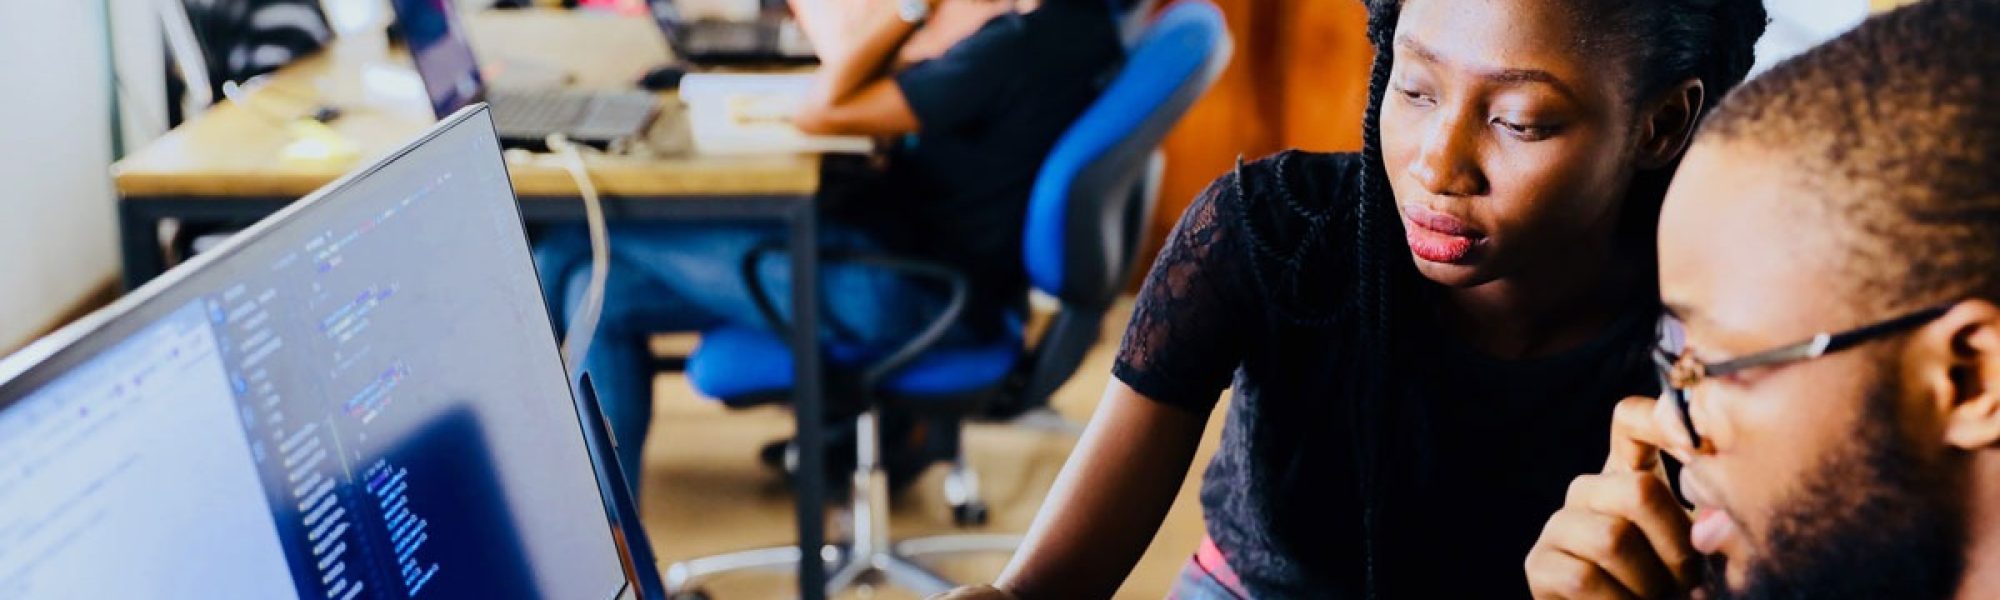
{"points": [[1896, 125]]}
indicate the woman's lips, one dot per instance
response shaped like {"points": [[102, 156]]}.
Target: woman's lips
{"points": [[1438, 237]]}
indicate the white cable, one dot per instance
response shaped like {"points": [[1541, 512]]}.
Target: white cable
{"points": [[583, 319]]}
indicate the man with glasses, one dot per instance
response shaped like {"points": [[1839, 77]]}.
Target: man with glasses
{"points": [[1830, 259]]}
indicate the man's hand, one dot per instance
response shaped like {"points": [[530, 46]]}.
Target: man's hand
{"points": [[975, 592], [1620, 533]]}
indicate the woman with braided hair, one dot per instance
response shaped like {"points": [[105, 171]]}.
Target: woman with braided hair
{"points": [[1425, 339]]}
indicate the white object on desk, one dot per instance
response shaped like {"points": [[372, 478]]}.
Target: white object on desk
{"points": [[731, 113]]}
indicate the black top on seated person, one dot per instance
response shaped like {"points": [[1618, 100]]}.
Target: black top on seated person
{"points": [[1425, 339]]}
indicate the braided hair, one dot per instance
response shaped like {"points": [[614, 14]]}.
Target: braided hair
{"points": [[1665, 42]]}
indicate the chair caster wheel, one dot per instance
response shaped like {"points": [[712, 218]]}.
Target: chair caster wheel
{"points": [[969, 515]]}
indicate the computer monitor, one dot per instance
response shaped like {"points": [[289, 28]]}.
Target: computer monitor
{"points": [[359, 397], [441, 52]]}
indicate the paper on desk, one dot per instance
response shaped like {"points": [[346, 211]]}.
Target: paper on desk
{"points": [[735, 113]]}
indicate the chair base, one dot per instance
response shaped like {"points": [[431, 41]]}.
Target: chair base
{"points": [[871, 554], [896, 566]]}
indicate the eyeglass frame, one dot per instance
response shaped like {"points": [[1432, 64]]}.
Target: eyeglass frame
{"points": [[1680, 373]]}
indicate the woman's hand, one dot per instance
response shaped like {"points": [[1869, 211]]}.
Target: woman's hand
{"points": [[1620, 533], [975, 592]]}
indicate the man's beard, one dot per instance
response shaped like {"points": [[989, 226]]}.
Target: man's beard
{"points": [[1875, 521]]}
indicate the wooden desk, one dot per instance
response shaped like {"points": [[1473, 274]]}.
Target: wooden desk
{"points": [[228, 167], [235, 151]]}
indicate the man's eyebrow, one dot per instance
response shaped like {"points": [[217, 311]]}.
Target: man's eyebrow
{"points": [[1503, 76]]}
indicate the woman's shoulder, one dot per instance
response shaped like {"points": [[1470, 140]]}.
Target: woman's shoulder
{"points": [[1293, 213]]}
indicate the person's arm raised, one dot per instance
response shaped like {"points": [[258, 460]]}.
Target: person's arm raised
{"points": [[853, 93]]}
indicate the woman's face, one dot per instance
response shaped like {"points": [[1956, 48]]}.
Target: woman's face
{"points": [[1508, 144]]}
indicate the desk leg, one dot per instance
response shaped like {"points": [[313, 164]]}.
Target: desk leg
{"points": [[139, 245], [809, 404]]}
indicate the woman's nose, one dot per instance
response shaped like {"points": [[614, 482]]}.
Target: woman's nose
{"points": [[1446, 165]]}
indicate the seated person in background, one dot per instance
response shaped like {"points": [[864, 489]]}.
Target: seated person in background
{"points": [[976, 123], [1853, 190], [1425, 339]]}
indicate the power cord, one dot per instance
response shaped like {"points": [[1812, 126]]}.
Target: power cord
{"points": [[583, 319]]}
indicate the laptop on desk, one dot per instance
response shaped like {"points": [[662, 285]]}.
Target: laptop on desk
{"points": [[524, 118], [358, 397], [773, 39]]}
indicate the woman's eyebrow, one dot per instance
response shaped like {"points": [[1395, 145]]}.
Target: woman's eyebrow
{"points": [[1498, 75]]}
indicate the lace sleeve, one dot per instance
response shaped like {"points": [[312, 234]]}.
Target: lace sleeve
{"points": [[1188, 327]]}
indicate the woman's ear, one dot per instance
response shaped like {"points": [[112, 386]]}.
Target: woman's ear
{"points": [[1968, 386], [1669, 122]]}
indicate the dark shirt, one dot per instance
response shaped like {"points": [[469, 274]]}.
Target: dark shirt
{"points": [[1477, 459], [989, 109]]}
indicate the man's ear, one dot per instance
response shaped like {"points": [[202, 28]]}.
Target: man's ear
{"points": [[1967, 387], [1669, 122]]}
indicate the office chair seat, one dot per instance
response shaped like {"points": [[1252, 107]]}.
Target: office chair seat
{"points": [[742, 366]]}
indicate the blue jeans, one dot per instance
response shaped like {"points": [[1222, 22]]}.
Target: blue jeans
{"points": [[678, 277]]}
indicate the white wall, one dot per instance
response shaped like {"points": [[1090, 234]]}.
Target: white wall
{"points": [[57, 224], [1799, 24]]}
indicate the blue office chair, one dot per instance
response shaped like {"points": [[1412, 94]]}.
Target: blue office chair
{"points": [[1086, 214]]}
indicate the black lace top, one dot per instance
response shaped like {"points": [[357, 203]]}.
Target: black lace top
{"points": [[1246, 293]]}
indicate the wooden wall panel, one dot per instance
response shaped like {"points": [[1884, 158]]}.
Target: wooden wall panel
{"points": [[1298, 78]]}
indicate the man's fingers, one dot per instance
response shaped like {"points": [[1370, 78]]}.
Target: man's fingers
{"points": [[1635, 437], [1554, 573], [1645, 501], [1676, 438], [1614, 545]]}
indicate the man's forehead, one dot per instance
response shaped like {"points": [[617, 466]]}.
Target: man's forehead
{"points": [[1746, 246]]}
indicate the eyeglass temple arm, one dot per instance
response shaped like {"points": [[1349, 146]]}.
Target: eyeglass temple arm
{"points": [[1823, 344]]}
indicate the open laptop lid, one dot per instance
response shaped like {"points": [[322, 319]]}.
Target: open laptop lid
{"points": [[359, 396], [442, 53], [773, 38]]}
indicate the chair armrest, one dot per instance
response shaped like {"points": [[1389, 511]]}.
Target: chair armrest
{"points": [[958, 287]]}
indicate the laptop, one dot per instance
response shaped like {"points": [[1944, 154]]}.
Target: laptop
{"points": [[358, 397], [524, 118], [773, 39]]}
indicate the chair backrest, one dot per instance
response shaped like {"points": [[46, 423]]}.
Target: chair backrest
{"points": [[239, 39], [1132, 17], [1079, 235], [1088, 211]]}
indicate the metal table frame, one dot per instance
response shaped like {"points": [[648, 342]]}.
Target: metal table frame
{"points": [[139, 219]]}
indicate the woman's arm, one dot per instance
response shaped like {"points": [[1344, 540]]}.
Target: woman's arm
{"points": [[1185, 341], [1109, 500]]}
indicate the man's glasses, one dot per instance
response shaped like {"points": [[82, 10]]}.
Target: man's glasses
{"points": [[1679, 373]]}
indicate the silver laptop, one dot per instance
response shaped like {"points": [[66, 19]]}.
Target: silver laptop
{"points": [[773, 38], [359, 397], [524, 118]]}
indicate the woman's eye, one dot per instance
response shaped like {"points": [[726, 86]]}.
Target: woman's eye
{"points": [[1524, 131], [1414, 97]]}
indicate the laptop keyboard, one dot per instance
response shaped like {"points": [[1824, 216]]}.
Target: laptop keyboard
{"points": [[580, 115]]}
